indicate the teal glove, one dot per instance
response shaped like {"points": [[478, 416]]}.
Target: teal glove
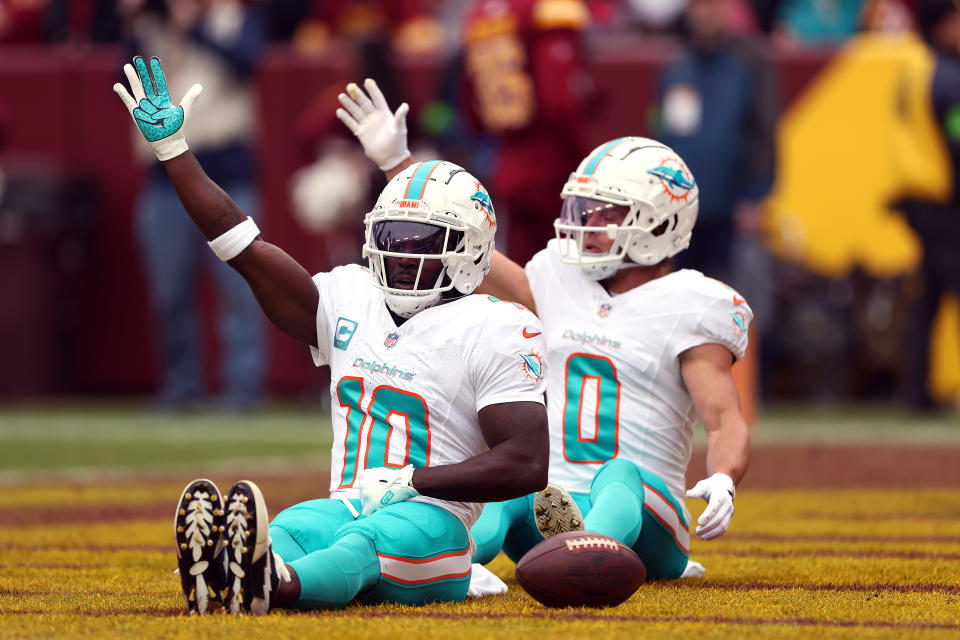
{"points": [[160, 122]]}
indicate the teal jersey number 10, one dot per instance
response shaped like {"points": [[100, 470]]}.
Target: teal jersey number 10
{"points": [[387, 406]]}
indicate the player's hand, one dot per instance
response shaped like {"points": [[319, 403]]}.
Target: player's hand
{"points": [[382, 486], [718, 490], [159, 120], [383, 134]]}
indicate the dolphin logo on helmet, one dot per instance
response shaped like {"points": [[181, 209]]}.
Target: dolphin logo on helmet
{"points": [[673, 178], [485, 205]]}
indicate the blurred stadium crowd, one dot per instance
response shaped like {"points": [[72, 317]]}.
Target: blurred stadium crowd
{"points": [[826, 168]]}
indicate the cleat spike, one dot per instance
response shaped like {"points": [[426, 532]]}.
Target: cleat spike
{"points": [[556, 512]]}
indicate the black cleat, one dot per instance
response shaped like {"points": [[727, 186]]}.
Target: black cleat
{"points": [[201, 557], [253, 570]]}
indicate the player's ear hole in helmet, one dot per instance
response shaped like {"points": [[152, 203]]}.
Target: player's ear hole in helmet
{"points": [[430, 236]]}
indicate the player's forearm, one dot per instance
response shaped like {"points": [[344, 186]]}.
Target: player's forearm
{"points": [[507, 471], [210, 208], [728, 446], [507, 280]]}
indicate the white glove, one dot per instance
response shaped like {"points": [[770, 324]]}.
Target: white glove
{"points": [[693, 570], [484, 582], [159, 121], [718, 491], [382, 486], [382, 134]]}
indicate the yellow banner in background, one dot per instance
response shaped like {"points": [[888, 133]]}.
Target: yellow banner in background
{"points": [[944, 381], [862, 136]]}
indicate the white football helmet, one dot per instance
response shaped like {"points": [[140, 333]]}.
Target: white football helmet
{"points": [[431, 211], [642, 178]]}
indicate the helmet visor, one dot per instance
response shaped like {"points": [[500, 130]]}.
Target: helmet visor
{"points": [[420, 238], [586, 212], [410, 254]]}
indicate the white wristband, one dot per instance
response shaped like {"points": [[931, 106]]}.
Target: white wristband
{"points": [[170, 148], [228, 245]]}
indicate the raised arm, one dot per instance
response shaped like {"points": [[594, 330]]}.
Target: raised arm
{"points": [[706, 373], [283, 288], [383, 135]]}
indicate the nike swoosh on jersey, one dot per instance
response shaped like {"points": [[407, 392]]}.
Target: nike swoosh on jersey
{"points": [[738, 301], [527, 334]]}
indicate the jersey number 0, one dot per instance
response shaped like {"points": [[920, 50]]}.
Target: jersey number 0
{"points": [[592, 388]]}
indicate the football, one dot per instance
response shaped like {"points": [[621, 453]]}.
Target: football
{"points": [[580, 568]]}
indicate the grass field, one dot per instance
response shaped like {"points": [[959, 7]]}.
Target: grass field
{"points": [[86, 495]]}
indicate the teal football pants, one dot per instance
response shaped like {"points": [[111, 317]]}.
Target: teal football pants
{"points": [[625, 502], [409, 553]]}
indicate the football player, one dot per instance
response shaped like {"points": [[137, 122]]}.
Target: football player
{"points": [[437, 395], [526, 83], [636, 354]]}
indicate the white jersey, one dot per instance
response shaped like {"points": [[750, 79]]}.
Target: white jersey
{"points": [[410, 394], [614, 386]]}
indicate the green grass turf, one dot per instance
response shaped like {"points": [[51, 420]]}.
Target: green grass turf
{"points": [[853, 424], [100, 438]]}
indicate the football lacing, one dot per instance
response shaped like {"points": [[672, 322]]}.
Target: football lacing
{"points": [[574, 544]]}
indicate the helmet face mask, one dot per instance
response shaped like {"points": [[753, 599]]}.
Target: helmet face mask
{"points": [[408, 258], [430, 236], [594, 233], [642, 178]]}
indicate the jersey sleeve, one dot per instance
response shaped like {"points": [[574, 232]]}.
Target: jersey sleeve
{"points": [[326, 284], [539, 272], [508, 362], [722, 319]]}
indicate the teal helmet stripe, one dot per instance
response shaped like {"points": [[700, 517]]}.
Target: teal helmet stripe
{"points": [[418, 181], [600, 155]]}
